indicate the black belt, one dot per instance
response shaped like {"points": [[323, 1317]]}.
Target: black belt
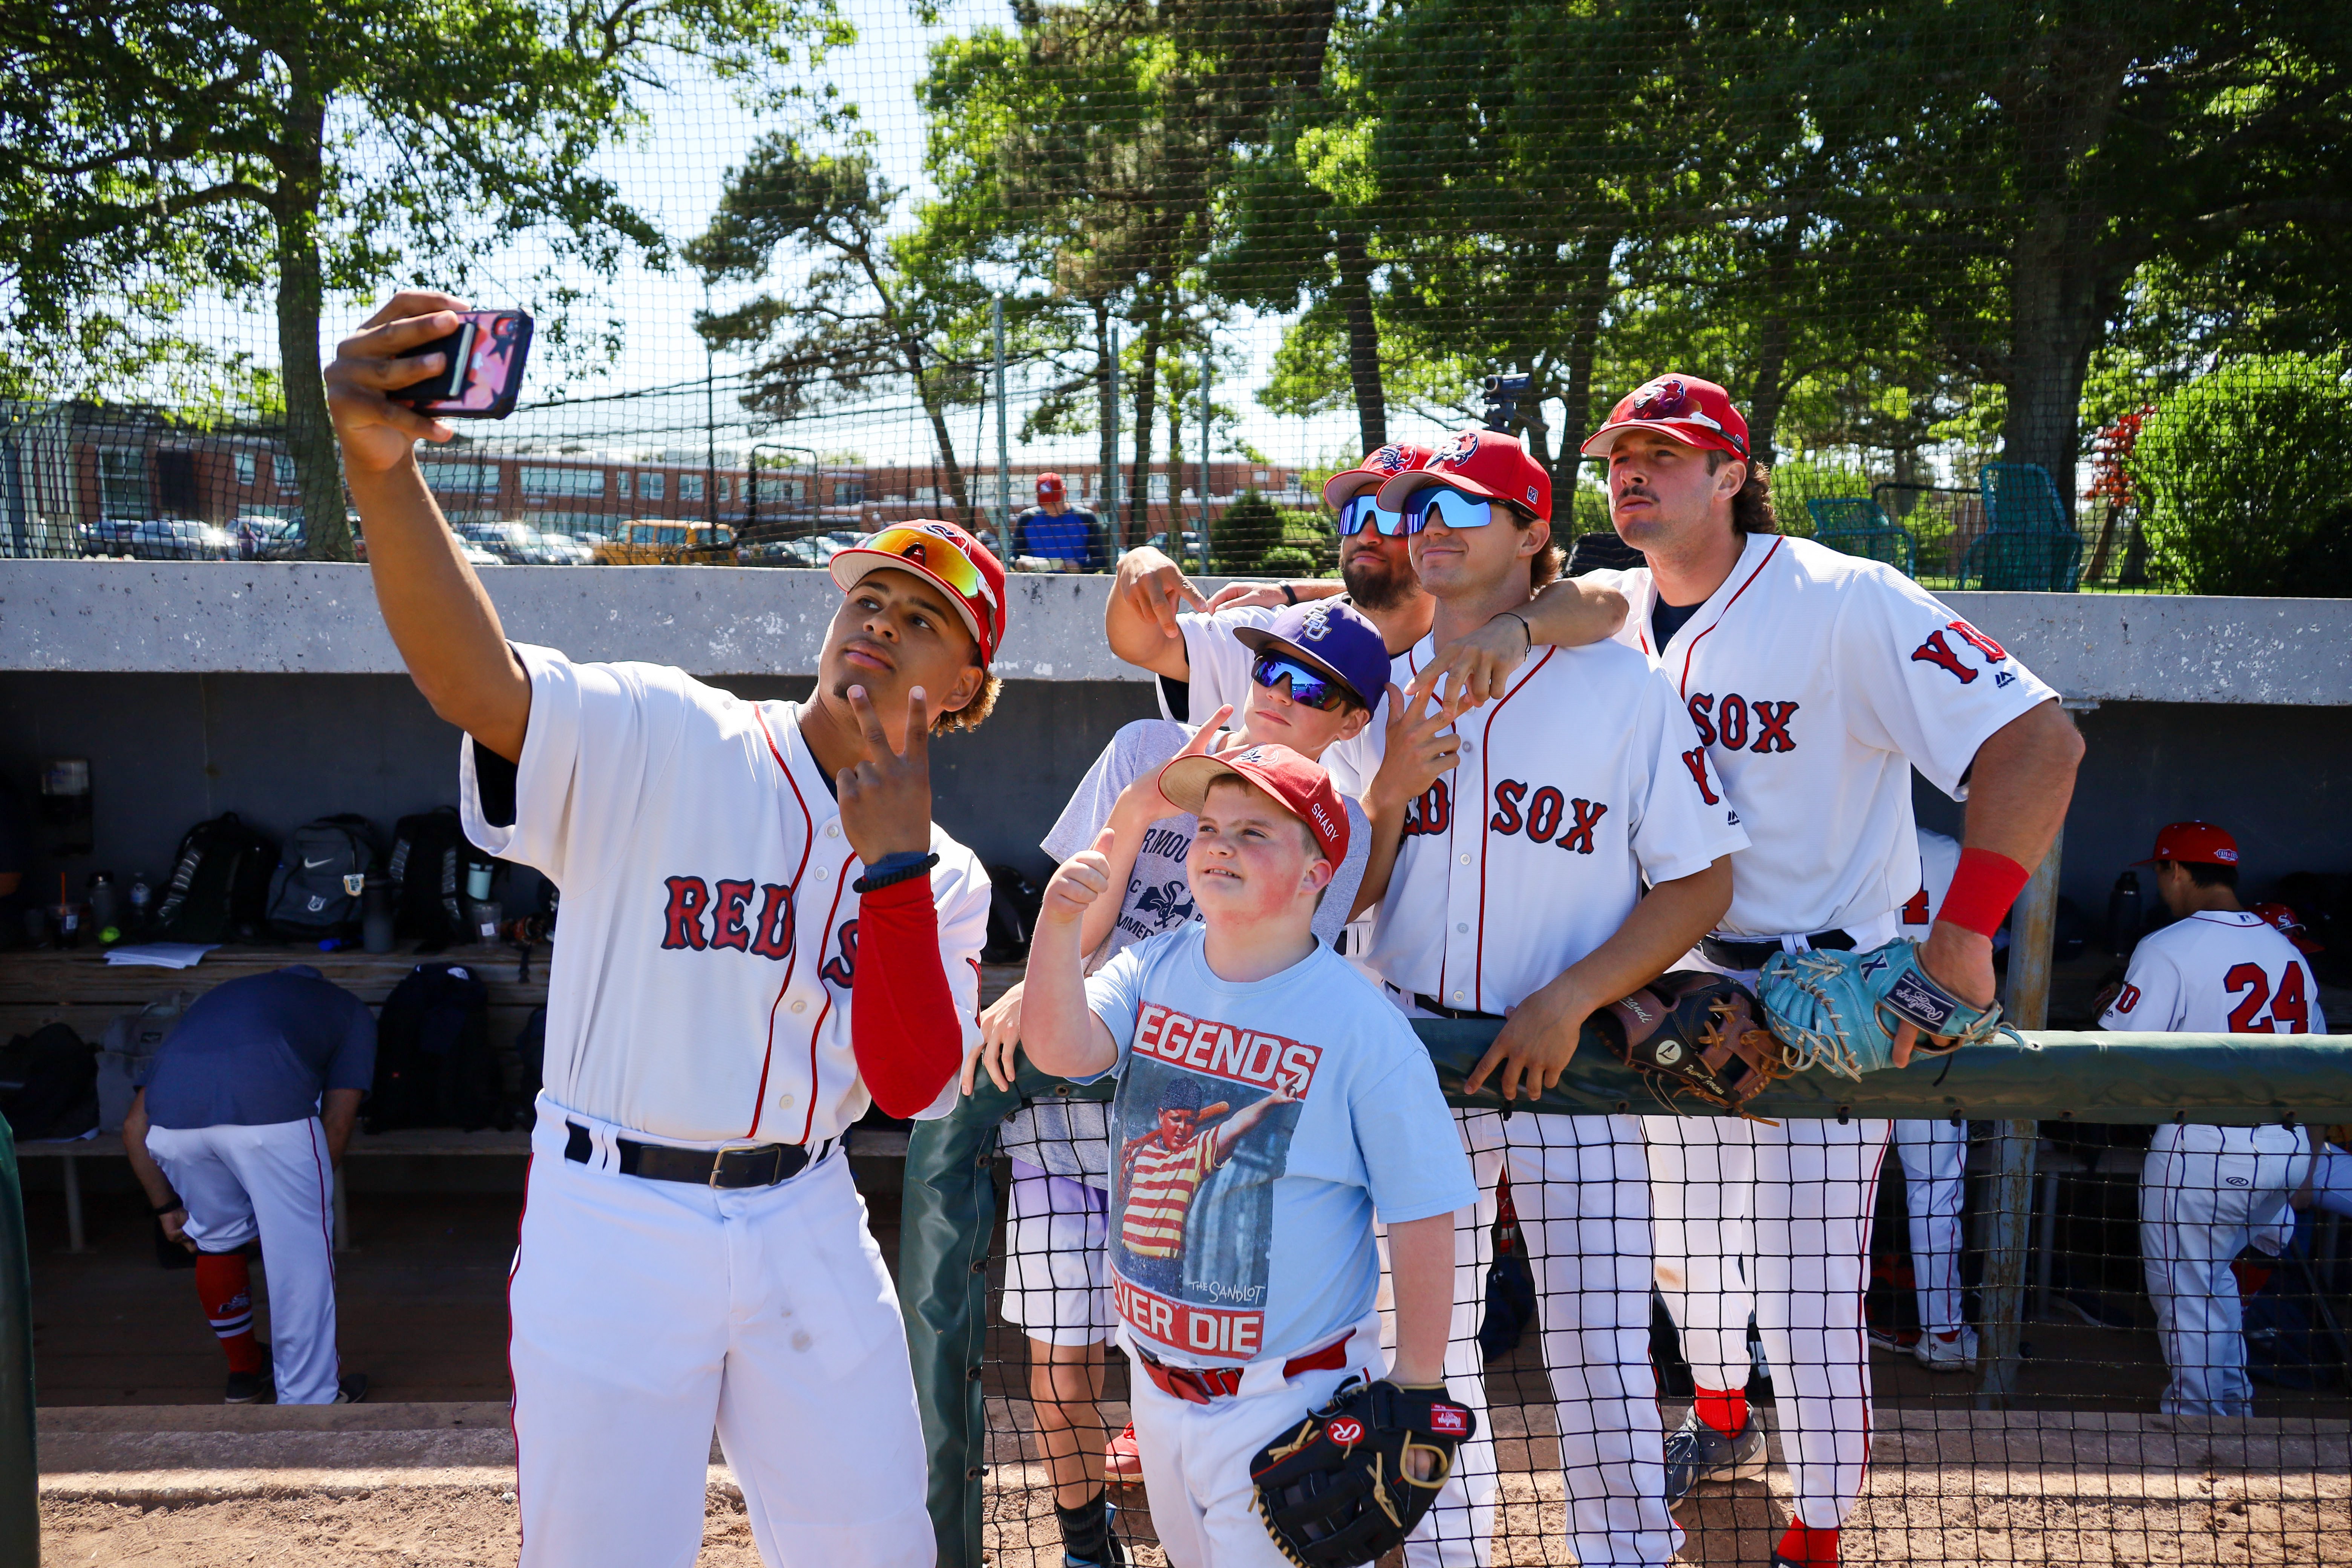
{"points": [[1428, 1003], [1732, 954], [760, 1166]]}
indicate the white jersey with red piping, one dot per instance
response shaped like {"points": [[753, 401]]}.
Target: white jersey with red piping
{"points": [[700, 984], [1818, 681], [1580, 782], [2217, 971]]}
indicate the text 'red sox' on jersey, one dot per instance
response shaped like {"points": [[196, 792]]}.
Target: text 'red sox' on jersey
{"points": [[709, 919]]}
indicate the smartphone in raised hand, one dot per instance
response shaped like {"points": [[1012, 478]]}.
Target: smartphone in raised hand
{"points": [[482, 373]]}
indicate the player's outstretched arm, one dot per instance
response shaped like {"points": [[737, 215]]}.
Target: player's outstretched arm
{"points": [[1540, 1038], [439, 617], [1058, 1028], [1140, 620], [1570, 613], [1421, 1264], [2019, 788]]}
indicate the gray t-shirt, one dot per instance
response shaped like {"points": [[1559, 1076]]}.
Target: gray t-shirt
{"points": [[1074, 1139]]}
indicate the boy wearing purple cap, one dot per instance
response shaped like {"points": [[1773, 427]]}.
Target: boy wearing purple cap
{"points": [[1317, 671]]}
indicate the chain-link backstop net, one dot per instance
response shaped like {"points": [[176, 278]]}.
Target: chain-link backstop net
{"points": [[2011, 297]]}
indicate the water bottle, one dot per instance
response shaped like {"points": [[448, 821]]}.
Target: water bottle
{"points": [[2124, 915], [142, 900], [375, 917], [105, 907]]}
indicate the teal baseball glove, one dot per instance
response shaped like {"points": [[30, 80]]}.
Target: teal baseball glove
{"points": [[1841, 1010]]}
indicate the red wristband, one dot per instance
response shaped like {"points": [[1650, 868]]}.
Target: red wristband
{"points": [[1982, 888]]}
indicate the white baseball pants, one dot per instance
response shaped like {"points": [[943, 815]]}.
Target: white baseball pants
{"points": [[1196, 1458], [1703, 1186], [2331, 1181], [1933, 1156], [274, 1182], [646, 1312], [2198, 1210]]}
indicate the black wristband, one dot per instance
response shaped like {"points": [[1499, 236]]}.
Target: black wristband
{"points": [[875, 884], [174, 1206], [1289, 595], [1525, 627]]}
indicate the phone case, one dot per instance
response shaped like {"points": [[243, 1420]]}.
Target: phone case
{"points": [[487, 356]]}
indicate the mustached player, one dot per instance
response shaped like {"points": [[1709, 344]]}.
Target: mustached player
{"points": [[764, 932], [2208, 1192], [1818, 682], [1518, 893]]}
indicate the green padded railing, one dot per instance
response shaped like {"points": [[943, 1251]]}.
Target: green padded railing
{"points": [[949, 1212]]}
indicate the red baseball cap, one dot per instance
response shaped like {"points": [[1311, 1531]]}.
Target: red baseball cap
{"points": [[1302, 787], [1049, 484], [1478, 462], [1695, 412], [2289, 926], [942, 553], [1376, 470], [2194, 844]]}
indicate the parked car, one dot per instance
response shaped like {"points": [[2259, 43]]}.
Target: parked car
{"points": [[516, 544], [108, 536], [268, 538], [183, 538], [657, 541], [562, 550]]}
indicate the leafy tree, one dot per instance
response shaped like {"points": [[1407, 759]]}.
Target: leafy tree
{"points": [[280, 148]]}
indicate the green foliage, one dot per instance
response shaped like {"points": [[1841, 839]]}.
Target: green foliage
{"points": [[1796, 481], [1244, 535], [2240, 475]]}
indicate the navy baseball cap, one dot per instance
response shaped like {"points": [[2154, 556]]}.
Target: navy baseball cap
{"points": [[1330, 635]]}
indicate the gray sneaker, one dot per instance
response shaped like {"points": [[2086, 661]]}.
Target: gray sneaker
{"points": [[1697, 1453]]}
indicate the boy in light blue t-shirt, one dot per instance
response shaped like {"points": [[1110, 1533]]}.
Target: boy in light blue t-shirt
{"points": [[1256, 1071]]}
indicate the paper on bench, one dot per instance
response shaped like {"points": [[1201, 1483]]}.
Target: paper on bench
{"points": [[161, 954]]}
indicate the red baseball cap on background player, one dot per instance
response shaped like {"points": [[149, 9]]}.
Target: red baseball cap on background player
{"points": [[1488, 464], [943, 555], [1695, 412], [1377, 469], [2194, 844], [1302, 787], [2289, 925], [1048, 486]]}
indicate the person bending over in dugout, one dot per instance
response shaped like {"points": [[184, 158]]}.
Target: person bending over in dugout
{"points": [[763, 931]]}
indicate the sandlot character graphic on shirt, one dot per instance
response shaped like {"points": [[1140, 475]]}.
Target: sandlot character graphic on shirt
{"points": [[1198, 1155]]}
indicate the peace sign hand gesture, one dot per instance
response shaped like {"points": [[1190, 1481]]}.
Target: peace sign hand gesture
{"points": [[885, 799]]}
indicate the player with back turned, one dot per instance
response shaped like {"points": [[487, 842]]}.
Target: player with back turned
{"points": [[763, 931], [1818, 681]]}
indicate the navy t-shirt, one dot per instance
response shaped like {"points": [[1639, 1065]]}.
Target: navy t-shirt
{"points": [[259, 1050]]}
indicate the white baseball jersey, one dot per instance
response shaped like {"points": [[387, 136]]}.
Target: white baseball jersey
{"points": [[2217, 971], [699, 988], [1221, 672], [1818, 681], [1580, 782]]}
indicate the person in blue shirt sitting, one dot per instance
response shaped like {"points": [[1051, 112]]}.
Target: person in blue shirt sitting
{"points": [[1072, 538], [239, 1121]]}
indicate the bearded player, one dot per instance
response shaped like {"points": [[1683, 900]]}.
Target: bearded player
{"points": [[763, 931], [1519, 893], [1818, 681]]}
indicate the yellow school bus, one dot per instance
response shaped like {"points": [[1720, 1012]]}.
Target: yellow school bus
{"points": [[663, 541]]}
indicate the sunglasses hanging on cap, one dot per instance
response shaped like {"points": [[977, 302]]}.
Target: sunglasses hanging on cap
{"points": [[1452, 508], [1309, 688], [1362, 509], [937, 554]]}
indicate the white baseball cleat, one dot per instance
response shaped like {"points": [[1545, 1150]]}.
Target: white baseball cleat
{"points": [[1957, 1353]]}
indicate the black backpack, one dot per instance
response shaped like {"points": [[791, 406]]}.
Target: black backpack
{"points": [[314, 894], [1014, 905], [427, 868], [49, 1083], [219, 890], [434, 1065]]}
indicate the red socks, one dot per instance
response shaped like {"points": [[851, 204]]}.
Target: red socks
{"points": [[1809, 1548], [224, 1286], [1725, 1412]]}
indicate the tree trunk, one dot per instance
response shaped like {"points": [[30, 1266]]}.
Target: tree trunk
{"points": [[1363, 342], [2057, 316], [1768, 393], [938, 414], [1106, 426], [1147, 393], [1575, 389], [309, 435]]}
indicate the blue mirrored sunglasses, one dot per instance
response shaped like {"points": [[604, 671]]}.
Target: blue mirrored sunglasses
{"points": [[1364, 508], [1309, 688], [1452, 508]]}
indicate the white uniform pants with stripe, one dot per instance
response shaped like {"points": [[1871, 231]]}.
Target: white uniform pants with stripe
{"points": [[273, 1184], [1581, 1191], [646, 1312], [1934, 1155], [1811, 1192], [2197, 1211]]}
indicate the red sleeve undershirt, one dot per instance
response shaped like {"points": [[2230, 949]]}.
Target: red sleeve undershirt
{"points": [[903, 1027]]}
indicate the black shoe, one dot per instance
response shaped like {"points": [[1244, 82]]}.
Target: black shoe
{"points": [[247, 1388], [350, 1388], [1697, 1453]]}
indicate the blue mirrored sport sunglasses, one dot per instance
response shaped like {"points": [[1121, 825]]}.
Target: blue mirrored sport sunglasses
{"points": [[1364, 508], [1452, 508], [1309, 688]]}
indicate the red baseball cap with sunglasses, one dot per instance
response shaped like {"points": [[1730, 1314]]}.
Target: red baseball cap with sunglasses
{"points": [[945, 555], [1485, 463], [1695, 412]]}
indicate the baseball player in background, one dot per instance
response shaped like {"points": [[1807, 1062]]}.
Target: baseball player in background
{"points": [[764, 932], [1935, 1155], [1817, 681], [2207, 1193], [1518, 894]]}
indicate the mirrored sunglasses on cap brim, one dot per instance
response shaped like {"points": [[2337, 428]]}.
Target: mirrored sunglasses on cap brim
{"points": [[937, 554]]}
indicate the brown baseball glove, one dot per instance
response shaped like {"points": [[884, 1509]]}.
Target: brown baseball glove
{"points": [[1689, 1032]]}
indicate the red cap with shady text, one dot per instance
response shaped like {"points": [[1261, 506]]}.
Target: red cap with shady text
{"points": [[1301, 785]]}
